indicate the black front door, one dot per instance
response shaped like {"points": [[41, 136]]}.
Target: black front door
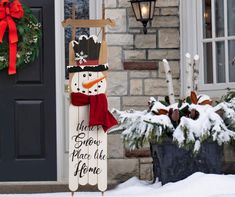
{"points": [[28, 110]]}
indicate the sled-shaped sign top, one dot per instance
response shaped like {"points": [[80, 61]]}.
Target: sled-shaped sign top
{"points": [[89, 118]]}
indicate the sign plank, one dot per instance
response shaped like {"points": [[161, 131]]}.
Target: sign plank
{"points": [[93, 179], [88, 141], [102, 149], [73, 117], [102, 161]]}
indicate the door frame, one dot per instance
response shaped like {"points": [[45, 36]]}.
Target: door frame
{"points": [[188, 36], [60, 81]]}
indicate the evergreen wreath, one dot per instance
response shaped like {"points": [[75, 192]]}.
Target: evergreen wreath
{"points": [[29, 34]]}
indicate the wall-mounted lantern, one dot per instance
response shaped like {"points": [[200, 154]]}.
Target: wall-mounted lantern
{"points": [[144, 11]]}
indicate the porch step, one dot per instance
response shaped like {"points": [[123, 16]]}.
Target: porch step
{"points": [[51, 187]]}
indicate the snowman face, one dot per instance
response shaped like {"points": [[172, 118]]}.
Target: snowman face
{"points": [[90, 83]]}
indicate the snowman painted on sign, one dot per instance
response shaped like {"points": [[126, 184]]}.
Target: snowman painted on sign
{"points": [[89, 118]]}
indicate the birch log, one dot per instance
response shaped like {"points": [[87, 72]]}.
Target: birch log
{"points": [[189, 75], [169, 81], [196, 72]]}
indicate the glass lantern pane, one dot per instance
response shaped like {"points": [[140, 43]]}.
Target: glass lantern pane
{"points": [[207, 19], [220, 61], [145, 9], [231, 17], [231, 61], [219, 18], [208, 62], [136, 10]]}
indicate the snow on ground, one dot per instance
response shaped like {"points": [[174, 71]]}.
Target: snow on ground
{"points": [[197, 185]]}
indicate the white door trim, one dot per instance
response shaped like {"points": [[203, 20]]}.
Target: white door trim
{"points": [[60, 81], [188, 35]]}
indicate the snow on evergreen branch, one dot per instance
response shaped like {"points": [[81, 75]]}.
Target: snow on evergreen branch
{"points": [[140, 127]]}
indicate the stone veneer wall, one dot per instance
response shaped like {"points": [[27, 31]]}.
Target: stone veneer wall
{"points": [[131, 89]]}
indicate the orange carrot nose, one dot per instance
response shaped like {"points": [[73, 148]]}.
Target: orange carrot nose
{"points": [[90, 84]]}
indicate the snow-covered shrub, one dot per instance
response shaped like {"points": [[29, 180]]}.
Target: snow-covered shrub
{"points": [[188, 123], [141, 127]]}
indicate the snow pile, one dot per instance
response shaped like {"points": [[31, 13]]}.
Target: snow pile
{"points": [[197, 185], [188, 124], [208, 124], [228, 115], [138, 128]]}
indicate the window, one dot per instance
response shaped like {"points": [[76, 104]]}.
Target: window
{"points": [[208, 29], [216, 43]]}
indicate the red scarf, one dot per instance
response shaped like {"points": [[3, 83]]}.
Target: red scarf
{"points": [[99, 114]]}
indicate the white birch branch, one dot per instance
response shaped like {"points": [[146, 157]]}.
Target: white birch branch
{"points": [[196, 72], [189, 75], [169, 81]]}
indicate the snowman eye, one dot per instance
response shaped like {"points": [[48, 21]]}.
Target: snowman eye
{"points": [[84, 75], [90, 74]]}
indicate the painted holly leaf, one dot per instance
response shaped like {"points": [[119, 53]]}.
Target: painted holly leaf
{"points": [[193, 97]]}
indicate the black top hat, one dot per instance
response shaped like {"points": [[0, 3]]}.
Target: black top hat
{"points": [[87, 54]]}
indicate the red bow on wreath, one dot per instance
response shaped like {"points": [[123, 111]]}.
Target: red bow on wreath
{"points": [[9, 11]]}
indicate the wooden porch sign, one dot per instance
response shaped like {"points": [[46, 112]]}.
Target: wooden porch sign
{"points": [[89, 118]]}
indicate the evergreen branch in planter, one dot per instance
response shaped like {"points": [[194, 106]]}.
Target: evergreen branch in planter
{"points": [[188, 125]]}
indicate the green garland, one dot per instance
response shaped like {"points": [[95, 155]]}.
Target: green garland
{"points": [[29, 34]]}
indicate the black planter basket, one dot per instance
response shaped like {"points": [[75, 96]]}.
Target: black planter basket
{"points": [[171, 163]]}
